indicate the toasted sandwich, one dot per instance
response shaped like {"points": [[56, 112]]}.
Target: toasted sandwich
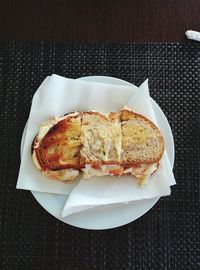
{"points": [[95, 144], [56, 148]]}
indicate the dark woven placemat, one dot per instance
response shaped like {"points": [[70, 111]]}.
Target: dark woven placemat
{"points": [[168, 236]]}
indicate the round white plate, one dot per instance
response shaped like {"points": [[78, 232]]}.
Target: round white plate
{"points": [[107, 217]]}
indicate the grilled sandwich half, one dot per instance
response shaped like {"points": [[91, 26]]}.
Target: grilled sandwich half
{"points": [[56, 148]]}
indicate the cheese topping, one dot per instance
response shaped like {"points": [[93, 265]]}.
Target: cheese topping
{"points": [[141, 172], [35, 160], [152, 168], [69, 174], [97, 142], [102, 142], [89, 171]]}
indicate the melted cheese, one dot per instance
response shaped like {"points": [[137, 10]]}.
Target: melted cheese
{"points": [[63, 175], [97, 142], [152, 168], [45, 127], [89, 171], [102, 142], [142, 172], [35, 160]]}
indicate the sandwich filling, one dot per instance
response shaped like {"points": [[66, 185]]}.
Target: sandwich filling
{"points": [[101, 138]]}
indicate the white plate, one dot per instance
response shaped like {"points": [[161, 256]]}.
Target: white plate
{"points": [[107, 217]]}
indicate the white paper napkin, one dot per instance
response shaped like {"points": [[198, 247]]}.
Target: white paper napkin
{"points": [[56, 96], [110, 190], [71, 95]]}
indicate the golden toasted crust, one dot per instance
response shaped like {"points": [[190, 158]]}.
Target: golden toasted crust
{"points": [[93, 118], [114, 116], [60, 147], [127, 115]]}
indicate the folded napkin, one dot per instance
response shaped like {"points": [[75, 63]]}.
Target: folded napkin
{"points": [[55, 97], [58, 95], [109, 190]]}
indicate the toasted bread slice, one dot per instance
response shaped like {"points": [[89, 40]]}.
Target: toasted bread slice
{"points": [[56, 149], [142, 141], [142, 144]]}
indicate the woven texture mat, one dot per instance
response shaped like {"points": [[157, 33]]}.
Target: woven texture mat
{"points": [[168, 236]]}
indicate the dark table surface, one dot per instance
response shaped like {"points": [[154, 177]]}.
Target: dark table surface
{"points": [[99, 20], [165, 238]]}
